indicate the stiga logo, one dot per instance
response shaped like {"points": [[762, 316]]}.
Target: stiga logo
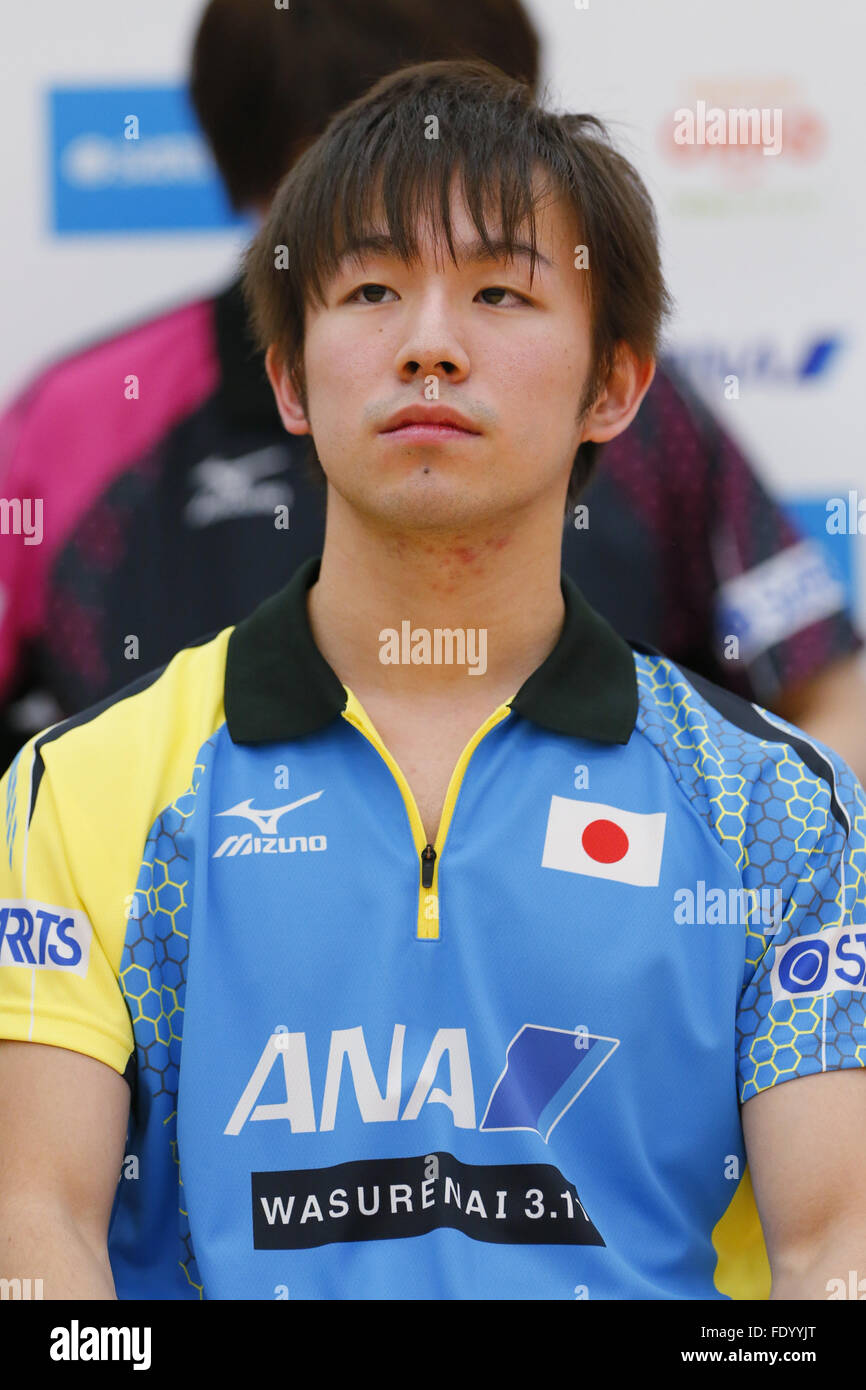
{"points": [[545, 1070], [825, 963], [267, 822], [44, 937]]}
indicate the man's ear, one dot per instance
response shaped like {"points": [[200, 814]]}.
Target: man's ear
{"points": [[292, 411], [619, 401]]}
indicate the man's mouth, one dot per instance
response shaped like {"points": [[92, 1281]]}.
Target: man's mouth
{"points": [[429, 422], [429, 432]]}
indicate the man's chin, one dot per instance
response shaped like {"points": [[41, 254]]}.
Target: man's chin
{"points": [[428, 497], [440, 504]]}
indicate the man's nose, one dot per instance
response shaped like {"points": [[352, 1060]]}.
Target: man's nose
{"points": [[432, 347]]}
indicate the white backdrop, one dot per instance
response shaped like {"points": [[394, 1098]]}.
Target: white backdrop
{"points": [[764, 255]]}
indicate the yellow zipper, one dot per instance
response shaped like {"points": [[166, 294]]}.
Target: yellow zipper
{"points": [[428, 898]]}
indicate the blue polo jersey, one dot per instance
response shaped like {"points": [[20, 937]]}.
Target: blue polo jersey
{"points": [[507, 1065]]}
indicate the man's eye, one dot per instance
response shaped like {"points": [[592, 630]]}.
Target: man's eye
{"points": [[500, 290], [376, 290]]}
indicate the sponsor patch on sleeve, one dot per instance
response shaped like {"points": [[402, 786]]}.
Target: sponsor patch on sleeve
{"points": [[825, 963], [44, 936]]}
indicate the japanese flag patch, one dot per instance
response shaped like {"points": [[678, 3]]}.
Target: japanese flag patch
{"points": [[588, 837]]}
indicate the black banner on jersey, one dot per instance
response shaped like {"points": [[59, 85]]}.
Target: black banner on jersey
{"points": [[386, 1199]]}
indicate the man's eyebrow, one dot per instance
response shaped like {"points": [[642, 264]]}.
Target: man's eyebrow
{"points": [[500, 251], [380, 244]]}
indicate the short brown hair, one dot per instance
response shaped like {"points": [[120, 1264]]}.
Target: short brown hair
{"points": [[264, 82], [374, 154]]}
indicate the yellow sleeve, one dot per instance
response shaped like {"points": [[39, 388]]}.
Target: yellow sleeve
{"points": [[80, 800], [59, 961]]}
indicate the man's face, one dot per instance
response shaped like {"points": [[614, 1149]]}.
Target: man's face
{"points": [[475, 338]]}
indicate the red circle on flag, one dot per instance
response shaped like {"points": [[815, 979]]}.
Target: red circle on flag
{"points": [[604, 841]]}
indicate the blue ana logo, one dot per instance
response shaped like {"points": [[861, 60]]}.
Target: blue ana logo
{"points": [[761, 362], [127, 159], [545, 1071]]}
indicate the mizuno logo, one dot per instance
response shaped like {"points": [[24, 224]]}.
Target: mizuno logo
{"points": [[239, 487], [267, 821]]}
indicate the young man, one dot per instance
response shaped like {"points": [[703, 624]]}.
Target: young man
{"points": [[685, 547], [438, 935]]}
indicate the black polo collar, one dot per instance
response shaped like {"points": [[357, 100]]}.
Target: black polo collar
{"points": [[279, 686]]}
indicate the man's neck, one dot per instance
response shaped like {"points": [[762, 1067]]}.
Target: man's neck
{"points": [[497, 588]]}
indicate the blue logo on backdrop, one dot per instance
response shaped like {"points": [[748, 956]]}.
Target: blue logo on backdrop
{"points": [[762, 362], [131, 159]]}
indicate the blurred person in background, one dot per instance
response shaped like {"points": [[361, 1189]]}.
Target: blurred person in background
{"points": [[170, 517]]}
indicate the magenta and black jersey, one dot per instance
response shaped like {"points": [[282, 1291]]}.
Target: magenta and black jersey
{"points": [[160, 500]]}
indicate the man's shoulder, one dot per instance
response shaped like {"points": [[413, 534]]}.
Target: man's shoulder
{"points": [[135, 751], [733, 752]]}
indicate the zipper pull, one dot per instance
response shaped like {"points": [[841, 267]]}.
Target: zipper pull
{"points": [[428, 857]]}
